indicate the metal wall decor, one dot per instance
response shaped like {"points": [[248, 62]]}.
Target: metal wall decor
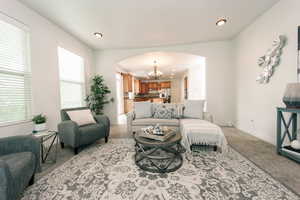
{"points": [[270, 60]]}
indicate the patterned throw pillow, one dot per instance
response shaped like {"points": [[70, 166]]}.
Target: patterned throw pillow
{"points": [[176, 109], [163, 113]]}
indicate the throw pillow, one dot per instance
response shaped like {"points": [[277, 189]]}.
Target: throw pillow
{"points": [[193, 109], [81, 117], [163, 113], [176, 109], [142, 109]]}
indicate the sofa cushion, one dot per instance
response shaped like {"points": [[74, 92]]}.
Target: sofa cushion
{"points": [[193, 109], [153, 121], [142, 109]]}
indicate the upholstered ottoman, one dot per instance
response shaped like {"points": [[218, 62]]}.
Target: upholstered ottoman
{"points": [[201, 132]]}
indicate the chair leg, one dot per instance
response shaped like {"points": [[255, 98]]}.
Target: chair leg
{"points": [[62, 145], [106, 139], [76, 150], [31, 182]]}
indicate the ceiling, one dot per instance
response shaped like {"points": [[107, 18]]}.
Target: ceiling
{"points": [[171, 64], [137, 23]]}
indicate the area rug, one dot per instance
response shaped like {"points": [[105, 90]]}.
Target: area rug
{"points": [[107, 171]]}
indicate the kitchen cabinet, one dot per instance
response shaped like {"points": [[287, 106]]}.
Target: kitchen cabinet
{"points": [[165, 85], [144, 88], [127, 82], [137, 86], [152, 85]]}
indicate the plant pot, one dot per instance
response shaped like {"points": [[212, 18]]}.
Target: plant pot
{"points": [[292, 95], [40, 127]]}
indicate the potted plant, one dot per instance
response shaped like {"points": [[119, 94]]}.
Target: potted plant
{"points": [[39, 122], [98, 95]]}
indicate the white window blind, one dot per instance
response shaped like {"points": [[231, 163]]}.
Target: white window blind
{"points": [[72, 85], [15, 76]]}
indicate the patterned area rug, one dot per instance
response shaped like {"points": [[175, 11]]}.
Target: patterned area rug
{"points": [[108, 171]]}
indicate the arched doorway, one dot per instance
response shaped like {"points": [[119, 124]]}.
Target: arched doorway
{"points": [[164, 77]]}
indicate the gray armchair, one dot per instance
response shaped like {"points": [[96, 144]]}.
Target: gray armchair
{"points": [[76, 136], [19, 161]]}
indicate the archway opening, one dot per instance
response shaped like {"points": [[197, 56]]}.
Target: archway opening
{"points": [[161, 77]]}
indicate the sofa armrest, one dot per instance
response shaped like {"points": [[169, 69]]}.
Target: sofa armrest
{"points": [[22, 143], [102, 119], [130, 118], [68, 132], [6, 181], [208, 117]]}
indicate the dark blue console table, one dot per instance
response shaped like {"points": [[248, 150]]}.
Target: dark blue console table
{"points": [[289, 130]]}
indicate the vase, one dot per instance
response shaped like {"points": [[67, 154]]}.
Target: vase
{"points": [[40, 127], [291, 96]]}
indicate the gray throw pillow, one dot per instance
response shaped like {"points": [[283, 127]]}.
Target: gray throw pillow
{"points": [[193, 109], [163, 113], [176, 109], [142, 109]]}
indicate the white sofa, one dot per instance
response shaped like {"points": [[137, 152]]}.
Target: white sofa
{"points": [[196, 127], [134, 125]]}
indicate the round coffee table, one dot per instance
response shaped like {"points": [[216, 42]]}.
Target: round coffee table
{"points": [[157, 156]]}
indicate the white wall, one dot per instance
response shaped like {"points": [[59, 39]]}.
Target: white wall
{"points": [[197, 82], [45, 37], [219, 73], [256, 103]]}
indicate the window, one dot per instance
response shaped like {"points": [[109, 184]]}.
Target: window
{"points": [[71, 72], [15, 76]]}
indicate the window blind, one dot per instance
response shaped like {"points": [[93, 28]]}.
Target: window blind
{"points": [[72, 83], [15, 75]]}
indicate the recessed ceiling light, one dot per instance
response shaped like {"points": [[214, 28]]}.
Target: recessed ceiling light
{"points": [[98, 35], [221, 22]]}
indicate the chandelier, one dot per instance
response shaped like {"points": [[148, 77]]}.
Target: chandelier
{"points": [[155, 74]]}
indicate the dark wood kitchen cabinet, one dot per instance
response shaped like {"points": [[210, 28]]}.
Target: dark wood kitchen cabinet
{"points": [[144, 88]]}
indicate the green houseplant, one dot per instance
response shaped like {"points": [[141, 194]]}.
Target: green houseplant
{"points": [[39, 122], [98, 95]]}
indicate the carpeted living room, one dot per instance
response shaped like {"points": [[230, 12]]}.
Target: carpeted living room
{"points": [[149, 100]]}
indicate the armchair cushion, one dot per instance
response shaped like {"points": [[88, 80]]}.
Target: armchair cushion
{"points": [[21, 167], [91, 133], [19, 160], [18, 144]]}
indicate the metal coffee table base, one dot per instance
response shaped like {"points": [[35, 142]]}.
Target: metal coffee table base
{"points": [[159, 159]]}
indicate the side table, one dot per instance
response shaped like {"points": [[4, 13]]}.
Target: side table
{"points": [[289, 131], [44, 138]]}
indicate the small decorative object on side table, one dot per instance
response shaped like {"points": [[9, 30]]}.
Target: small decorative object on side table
{"points": [[45, 137], [291, 96], [287, 150], [158, 156], [39, 122]]}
